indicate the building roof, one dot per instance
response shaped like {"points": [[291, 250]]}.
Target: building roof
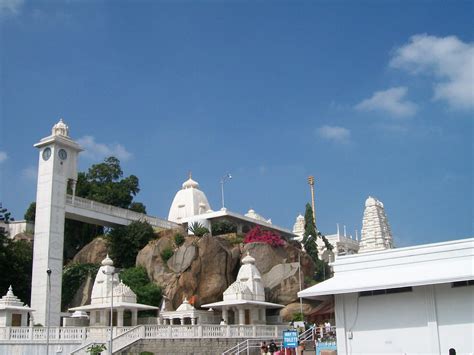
{"points": [[188, 202], [124, 305], [12, 302], [242, 302], [226, 213], [403, 267]]}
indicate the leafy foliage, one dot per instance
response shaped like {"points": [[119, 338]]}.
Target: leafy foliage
{"points": [[30, 213], [256, 235], [73, 277], [125, 242], [297, 317], [96, 349], [137, 207], [166, 254], [178, 239], [104, 183], [198, 229], [309, 242], [310, 235], [235, 238], [5, 216], [137, 279], [223, 227], [16, 261]]}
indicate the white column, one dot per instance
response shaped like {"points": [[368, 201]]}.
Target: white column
{"points": [[225, 315], [103, 317], [120, 317], [241, 316], [181, 320], [134, 316], [432, 318], [193, 321], [92, 318]]}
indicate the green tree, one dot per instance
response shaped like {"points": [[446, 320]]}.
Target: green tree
{"points": [[30, 214], [73, 277], [125, 242], [310, 235], [104, 183], [16, 260], [137, 279], [309, 241]]}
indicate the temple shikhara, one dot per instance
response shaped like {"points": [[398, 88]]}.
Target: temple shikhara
{"points": [[224, 294]]}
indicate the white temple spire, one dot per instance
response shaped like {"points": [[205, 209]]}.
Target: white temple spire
{"points": [[376, 233]]}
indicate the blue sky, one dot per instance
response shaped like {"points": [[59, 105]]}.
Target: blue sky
{"points": [[372, 98]]}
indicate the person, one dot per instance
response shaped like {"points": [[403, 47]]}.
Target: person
{"points": [[264, 348], [327, 325], [223, 322], [272, 347]]}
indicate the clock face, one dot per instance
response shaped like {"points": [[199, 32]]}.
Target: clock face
{"points": [[62, 154], [46, 153]]}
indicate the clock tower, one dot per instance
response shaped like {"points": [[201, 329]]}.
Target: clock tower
{"points": [[56, 168]]}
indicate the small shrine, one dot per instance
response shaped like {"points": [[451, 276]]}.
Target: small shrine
{"points": [[186, 314], [13, 312], [244, 300], [124, 299]]}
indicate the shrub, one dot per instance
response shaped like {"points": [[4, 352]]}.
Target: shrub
{"points": [[137, 279], [256, 235], [235, 238], [178, 239], [223, 227], [198, 229], [126, 241], [166, 254], [73, 276], [96, 349]]}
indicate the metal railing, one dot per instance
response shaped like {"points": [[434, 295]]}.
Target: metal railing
{"points": [[99, 207], [249, 345]]}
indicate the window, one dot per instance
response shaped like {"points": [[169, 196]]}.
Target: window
{"points": [[385, 292], [463, 283]]}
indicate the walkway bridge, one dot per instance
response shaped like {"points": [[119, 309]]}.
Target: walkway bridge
{"points": [[84, 210]]}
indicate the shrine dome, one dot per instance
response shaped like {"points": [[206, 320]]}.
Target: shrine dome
{"points": [[188, 202]]}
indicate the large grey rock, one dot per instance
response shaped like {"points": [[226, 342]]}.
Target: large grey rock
{"points": [[282, 283], [92, 253], [182, 258]]}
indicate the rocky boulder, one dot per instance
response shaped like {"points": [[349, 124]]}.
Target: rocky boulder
{"points": [[291, 309], [92, 253]]}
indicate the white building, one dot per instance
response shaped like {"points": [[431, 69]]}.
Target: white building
{"points": [[244, 300], [107, 283], [186, 314], [413, 300], [13, 313], [375, 235], [190, 205]]}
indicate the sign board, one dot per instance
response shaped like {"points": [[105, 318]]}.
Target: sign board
{"points": [[290, 339]]}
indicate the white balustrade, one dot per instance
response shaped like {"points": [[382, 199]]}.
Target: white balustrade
{"points": [[117, 212]]}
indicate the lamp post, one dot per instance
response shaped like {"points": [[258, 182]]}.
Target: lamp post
{"points": [[223, 180], [111, 273], [48, 271], [299, 276]]}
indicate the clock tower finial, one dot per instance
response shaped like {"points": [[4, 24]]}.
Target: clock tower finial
{"points": [[60, 129]]}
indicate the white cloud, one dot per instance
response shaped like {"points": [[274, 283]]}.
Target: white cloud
{"points": [[30, 173], [335, 133], [448, 60], [3, 156], [391, 101], [10, 7], [99, 151]]}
